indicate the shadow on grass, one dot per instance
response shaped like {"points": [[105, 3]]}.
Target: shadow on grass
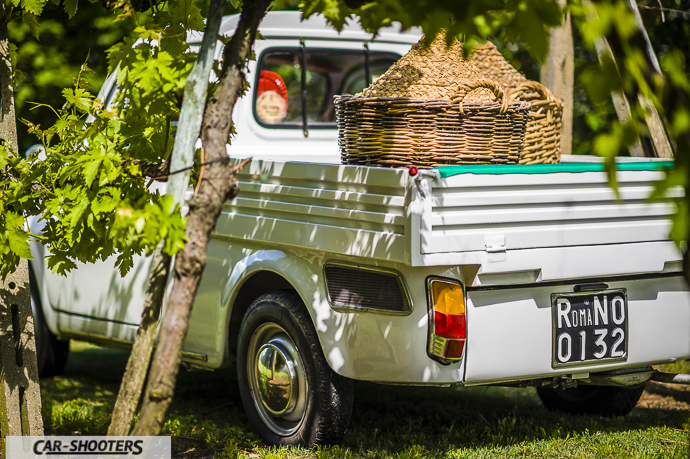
{"points": [[440, 420], [207, 419]]}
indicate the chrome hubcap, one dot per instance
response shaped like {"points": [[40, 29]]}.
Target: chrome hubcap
{"points": [[277, 379]]}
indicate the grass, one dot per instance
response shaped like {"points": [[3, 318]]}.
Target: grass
{"points": [[207, 419]]}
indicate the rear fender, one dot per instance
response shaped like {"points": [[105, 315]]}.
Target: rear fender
{"points": [[280, 270]]}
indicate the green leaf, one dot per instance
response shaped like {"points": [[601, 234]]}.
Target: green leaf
{"points": [[77, 211], [139, 224], [34, 7], [124, 263], [147, 34], [60, 264], [31, 22], [78, 97], [91, 170], [533, 33], [18, 241], [675, 177], [17, 75], [681, 223], [71, 7], [13, 220], [106, 204], [673, 64], [17, 238]]}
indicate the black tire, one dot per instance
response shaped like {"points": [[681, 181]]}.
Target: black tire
{"points": [[606, 401], [305, 404], [51, 353]]}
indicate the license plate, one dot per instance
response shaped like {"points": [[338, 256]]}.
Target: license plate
{"points": [[589, 327]]}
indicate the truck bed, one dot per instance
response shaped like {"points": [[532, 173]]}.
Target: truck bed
{"points": [[492, 216]]}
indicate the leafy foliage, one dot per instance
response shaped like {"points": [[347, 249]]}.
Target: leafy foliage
{"points": [[88, 191], [631, 71], [47, 63], [474, 20], [90, 187]]}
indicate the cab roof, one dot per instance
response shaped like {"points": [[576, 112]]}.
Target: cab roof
{"points": [[289, 24]]}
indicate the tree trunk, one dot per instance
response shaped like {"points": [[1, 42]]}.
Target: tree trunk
{"points": [[20, 394], [140, 357], [8, 122], [620, 102], [558, 74], [657, 131], [219, 184], [182, 157]]}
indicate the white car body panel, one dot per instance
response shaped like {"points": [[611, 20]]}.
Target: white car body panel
{"points": [[522, 320]]}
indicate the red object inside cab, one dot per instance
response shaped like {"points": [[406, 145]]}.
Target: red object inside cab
{"points": [[271, 81]]}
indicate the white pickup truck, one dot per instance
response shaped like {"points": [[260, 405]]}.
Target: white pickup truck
{"points": [[320, 273]]}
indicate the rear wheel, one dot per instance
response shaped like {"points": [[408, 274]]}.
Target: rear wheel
{"points": [[603, 400], [290, 394], [51, 353]]}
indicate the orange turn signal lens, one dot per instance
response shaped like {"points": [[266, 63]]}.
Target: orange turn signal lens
{"points": [[448, 298]]}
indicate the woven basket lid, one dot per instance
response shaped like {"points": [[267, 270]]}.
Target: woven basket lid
{"points": [[492, 65], [432, 72]]}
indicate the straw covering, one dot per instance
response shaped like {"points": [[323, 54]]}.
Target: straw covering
{"points": [[492, 65], [543, 133], [428, 73]]}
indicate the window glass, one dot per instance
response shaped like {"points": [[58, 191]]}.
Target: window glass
{"points": [[278, 94], [279, 69]]}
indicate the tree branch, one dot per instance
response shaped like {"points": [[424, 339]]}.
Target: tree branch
{"points": [[35, 187], [659, 8]]}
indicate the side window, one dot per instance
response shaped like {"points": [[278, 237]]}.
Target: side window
{"points": [[278, 87], [356, 80]]}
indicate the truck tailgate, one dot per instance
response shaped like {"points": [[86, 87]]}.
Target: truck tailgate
{"points": [[527, 207]]}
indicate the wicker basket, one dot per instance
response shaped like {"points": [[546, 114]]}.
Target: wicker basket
{"points": [[543, 136], [431, 108], [399, 131]]}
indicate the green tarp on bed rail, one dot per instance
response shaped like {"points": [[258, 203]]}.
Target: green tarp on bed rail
{"points": [[449, 171]]}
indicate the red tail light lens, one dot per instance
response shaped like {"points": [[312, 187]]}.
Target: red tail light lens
{"points": [[450, 326], [448, 329]]}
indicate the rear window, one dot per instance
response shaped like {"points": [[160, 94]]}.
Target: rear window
{"points": [[281, 81]]}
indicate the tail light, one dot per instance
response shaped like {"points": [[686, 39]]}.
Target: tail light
{"points": [[448, 323]]}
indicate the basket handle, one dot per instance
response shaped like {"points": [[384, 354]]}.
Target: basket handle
{"points": [[466, 88], [532, 86]]}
